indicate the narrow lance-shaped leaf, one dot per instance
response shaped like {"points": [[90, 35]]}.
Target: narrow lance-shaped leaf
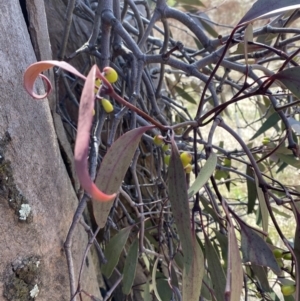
{"points": [[185, 95], [85, 118], [263, 206], [251, 187], [215, 269], [204, 174], [154, 280], [113, 251], [192, 278], [234, 283], [266, 9], [130, 267], [270, 122], [114, 167], [248, 37], [255, 249], [290, 78], [180, 204], [296, 250]]}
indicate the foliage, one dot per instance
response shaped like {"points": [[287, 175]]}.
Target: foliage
{"points": [[191, 240]]}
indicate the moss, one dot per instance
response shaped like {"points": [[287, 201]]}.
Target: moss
{"points": [[8, 189]]}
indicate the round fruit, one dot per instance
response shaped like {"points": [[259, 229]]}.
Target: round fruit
{"points": [[167, 159], [266, 141], [110, 74], [287, 256], [288, 290], [158, 140], [277, 253], [186, 158], [97, 85], [108, 107], [165, 147], [227, 162], [188, 168]]}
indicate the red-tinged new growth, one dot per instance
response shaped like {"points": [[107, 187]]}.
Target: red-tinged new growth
{"points": [[84, 119]]}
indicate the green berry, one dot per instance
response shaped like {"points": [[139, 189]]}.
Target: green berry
{"points": [[110, 74]]}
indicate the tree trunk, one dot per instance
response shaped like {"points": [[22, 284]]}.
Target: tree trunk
{"points": [[37, 199]]}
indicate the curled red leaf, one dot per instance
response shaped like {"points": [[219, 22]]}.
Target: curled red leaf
{"points": [[84, 119]]}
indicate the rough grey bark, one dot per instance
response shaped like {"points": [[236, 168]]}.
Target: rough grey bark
{"points": [[33, 174]]}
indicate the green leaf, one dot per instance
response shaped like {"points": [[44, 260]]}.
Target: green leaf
{"points": [[262, 206], [185, 95], [113, 169], [290, 78], [269, 123], [215, 269], [289, 159], [163, 289], [146, 292], [180, 204], [251, 187], [204, 174], [130, 267], [113, 251], [256, 250], [154, 284], [261, 274], [223, 244], [234, 281], [205, 292], [266, 9], [192, 278], [281, 213]]}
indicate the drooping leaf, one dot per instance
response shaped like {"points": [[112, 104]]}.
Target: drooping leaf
{"points": [[256, 250], [205, 288], [182, 93], [270, 122], [204, 174], [130, 267], [265, 9], [223, 244], [154, 284], [205, 23], [295, 124], [290, 78], [280, 212], [234, 279], [163, 289], [192, 278], [251, 187], [113, 168], [146, 292], [261, 275], [248, 37], [180, 204], [84, 119], [289, 159], [113, 251], [215, 269], [296, 247], [263, 206]]}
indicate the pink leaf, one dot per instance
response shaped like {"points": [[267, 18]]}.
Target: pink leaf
{"points": [[84, 119], [34, 70]]}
